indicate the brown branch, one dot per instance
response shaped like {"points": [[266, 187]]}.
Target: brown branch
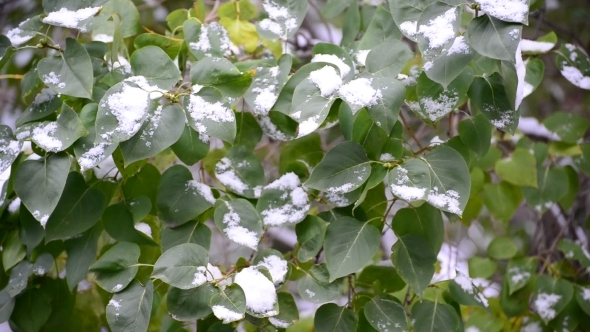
{"points": [[401, 115]]}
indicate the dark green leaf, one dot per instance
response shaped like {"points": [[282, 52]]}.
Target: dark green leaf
{"points": [[434, 316], [239, 221], [241, 172], [191, 146], [386, 314], [117, 267], [388, 59], [476, 133], [494, 38], [190, 232], [331, 317], [208, 114], [81, 253], [413, 257], [229, 304], [315, 286], [425, 221], [190, 304], [310, 236], [154, 64], [118, 221], [183, 266], [130, 310]]}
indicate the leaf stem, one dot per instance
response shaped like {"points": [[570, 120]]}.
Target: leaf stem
{"points": [[141, 264], [401, 115], [11, 76]]}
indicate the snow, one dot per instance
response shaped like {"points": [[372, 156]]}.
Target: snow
{"points": [[386, 157], [341, 189], [261, 296], [237, 233], [144, 228], [586, 294], [271, 130], [427, 66], [337, 200], [228, 177], [308, 126], [333, 59], [296, 202], [70, 18], [360, 93], [201, 110], [361, 56], [117, 288], [276, 14], [115, 303], [439, 30], [326, 79], [227, 316], [527, 89], [270, 25], [44, 96], [279, 323], [53, 78], [506, 10], [573, 54], [437, 108], [517, 275], [544, 304], [18, 37], [204, 43], [472, 329], [267, 95], [41, 218], [129, 106], [459, 46], [8, 147], [404, 188], [520, 74], [202, 189], [514, 33], [14, 205], [101, 37], [92, 157], [575, 76], [448, 200], [532, 327], [121, 63], [467, 285], [535, 46], [44, 136], [410, 28], [277, 267]]}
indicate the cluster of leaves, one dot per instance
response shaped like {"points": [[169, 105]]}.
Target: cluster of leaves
{"points": [[125, 96]]}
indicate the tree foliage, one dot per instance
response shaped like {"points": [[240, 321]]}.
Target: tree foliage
{"points": [[218, 127]]}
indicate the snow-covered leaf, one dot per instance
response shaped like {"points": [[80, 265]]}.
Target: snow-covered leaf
{"points": [[130, 310], [574, 65], [241, 172], [210, 40], [436, 29], [488, 95], [210, 115], [267, 84], [229, 304], [284, 18], [551, 296], [9, 148], [410, 181], [261, 296], [239, 221], [437, 101], [283, 201], [61, 134]]}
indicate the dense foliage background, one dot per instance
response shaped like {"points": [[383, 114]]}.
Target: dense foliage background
{"points": [[401, 165]]}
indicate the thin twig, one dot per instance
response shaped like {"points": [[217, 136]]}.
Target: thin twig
{"points": [[329, 30], [401, 115], [213, 13], [12, 76]]}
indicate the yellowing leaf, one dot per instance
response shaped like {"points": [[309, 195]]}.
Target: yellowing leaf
{"points": [[241, 33]]}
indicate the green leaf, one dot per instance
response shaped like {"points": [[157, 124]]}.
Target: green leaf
{"points": [[310, 236], [78, 209], [190, 304], [144, 183], [345, 63], [25, 31], [81, 253], [154, 64], [502, 199], [128, 17], [413, 257], [206, 40], [248, 132], [424, 220], [88, 154], [183, 266], [284, 18], [381, 28], [190, 232], [389, 58], [449, 186], [288, 312], [574, 65], [582, 297], [69, 74], [241, 33], [130, 310], [208, 114], [573, 185], [300, 154], [489, 97], [13, 250], [520, 169], [575, 251], [384, 277], [352, 24], [310, 108], [266, 85], [191, 146], [583, 161], [9, 148], [446, 67], [519, 272], [31, 232], [283, 103], [406, 13], [118, 221], [331, 317], [32, 300], [494, 38], [229, 304], [502, 248], [117, 267], [45, 104], [40, 184], [315, 287], [170, 45], [221, 74], [436, 101], [6, 49], [535, 69], [334, 8], [60, 135], [476, 133], [434, 316], [6, 305], [349, 245], [386, 109], [569, 127], [551, 296], [243, 9], [410, 181], [180, 198], [241, 172], [18, 278], [239, 221], [385, 314], [163, 128], [343, 169], [481, 267], [553, 183]]}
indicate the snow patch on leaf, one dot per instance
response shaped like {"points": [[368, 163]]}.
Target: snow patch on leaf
{"points": [[261, 296], [237, 233]]}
